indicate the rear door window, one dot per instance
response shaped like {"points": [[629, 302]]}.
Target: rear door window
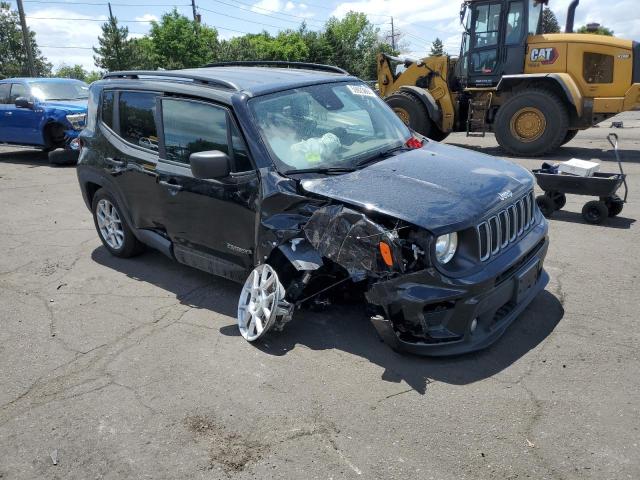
{"points": [[4, 93], [137, 112], [194, 126]]}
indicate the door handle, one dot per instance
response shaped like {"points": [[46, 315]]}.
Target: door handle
{"points": [[114, 162], [171, 186]]}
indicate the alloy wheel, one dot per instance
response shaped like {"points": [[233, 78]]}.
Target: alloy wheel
{"points": [[259, 301], [110, 224]]}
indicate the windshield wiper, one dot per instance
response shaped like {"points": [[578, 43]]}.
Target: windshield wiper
{"points": [[326, 170], [381, 155]]}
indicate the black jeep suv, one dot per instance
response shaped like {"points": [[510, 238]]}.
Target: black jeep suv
{"points": [[297, 181]]}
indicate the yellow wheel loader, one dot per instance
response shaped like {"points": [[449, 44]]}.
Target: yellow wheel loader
{"points": [[534, 91]]}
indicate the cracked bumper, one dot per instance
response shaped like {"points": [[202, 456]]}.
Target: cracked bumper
{"points": [[430, 314]]}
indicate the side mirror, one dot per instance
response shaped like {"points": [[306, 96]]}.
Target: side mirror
{"points": [[209, 165], [23, 102]]}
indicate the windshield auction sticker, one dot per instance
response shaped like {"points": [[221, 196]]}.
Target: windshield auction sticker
{"points": [[361, 90]]}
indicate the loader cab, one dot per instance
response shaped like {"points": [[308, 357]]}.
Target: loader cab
{"points": [[494, 41]]}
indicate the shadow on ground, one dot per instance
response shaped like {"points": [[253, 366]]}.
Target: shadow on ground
{"points": [[344, 327], [621, 223], [565, 153], [32, 158]]}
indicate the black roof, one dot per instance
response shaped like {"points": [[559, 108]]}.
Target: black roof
{"points": [[250, 79]]}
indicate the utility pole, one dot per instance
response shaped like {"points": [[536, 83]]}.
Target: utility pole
{"points": [[393, 36], [196, 17], [26, 38]]}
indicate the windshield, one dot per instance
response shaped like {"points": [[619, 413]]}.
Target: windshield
{"points": [[69, 90], [335, 125]]}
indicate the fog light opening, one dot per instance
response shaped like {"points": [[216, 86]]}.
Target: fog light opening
{"points": [[474, 325]]}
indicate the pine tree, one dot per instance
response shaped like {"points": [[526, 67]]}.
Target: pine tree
{"points": [[113, 52], [549, 22], [437, 48]]}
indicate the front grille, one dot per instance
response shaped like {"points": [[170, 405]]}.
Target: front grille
{"points": [[506, 226]]}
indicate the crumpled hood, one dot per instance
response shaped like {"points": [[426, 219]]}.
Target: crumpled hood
{"points": [[438, 187], [70, 106]]}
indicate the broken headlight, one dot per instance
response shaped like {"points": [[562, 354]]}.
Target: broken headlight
{"points": [[78, 120], [446, 246]]}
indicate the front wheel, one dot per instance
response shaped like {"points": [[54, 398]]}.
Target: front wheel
{"points": [[615, 205], [259, 303], [546, 205], [595, 212], [571, 134], [112, 227], [414, 115], [532, 122]]}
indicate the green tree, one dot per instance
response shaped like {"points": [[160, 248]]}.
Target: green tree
{"points": [[549, 21], [178, 42], [113, 52], [596, 29], [353, 44], [13, 58], [437, 48], [68, 71], [77, 72]]}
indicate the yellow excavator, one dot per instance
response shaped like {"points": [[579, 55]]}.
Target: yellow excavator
{"points": [[534, 91]]}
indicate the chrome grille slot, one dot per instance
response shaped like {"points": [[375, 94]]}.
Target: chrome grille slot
{"points": [[484, 241], [494, 229], [513, 223], [506, 226], [503, 218]]}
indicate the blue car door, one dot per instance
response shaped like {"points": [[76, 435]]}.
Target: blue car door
{"points": [[24, 126], [4, 118]]}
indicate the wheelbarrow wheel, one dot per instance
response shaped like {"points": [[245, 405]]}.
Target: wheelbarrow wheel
{"points": [[615, 205], [559, 199], [595, 212], [546, 205]]}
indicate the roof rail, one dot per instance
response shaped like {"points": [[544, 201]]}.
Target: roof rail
{"points": [[282, 64], [160, 74]]}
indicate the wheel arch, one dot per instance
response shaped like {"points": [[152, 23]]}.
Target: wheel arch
{"points": [[559, 83], [435, 114], [47, 128]]}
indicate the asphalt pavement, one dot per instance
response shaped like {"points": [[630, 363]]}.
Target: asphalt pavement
{"points": [[127, 369]]}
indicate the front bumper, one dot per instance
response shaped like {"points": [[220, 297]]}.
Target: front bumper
{"points": [[70, 139], [427, 313]]}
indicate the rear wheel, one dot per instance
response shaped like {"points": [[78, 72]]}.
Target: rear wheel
{"points": [[595, 212], [571, 134], [414, 115], [531, 123], [112, 227]]}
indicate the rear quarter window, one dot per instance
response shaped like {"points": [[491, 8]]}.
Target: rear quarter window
{"points": [[4, 93], [106, 109], [137, 112]]}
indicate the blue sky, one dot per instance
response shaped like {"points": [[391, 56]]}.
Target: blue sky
{"points": [[78, 21]]}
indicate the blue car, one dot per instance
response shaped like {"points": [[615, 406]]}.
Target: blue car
{"points": [[45, 113]]}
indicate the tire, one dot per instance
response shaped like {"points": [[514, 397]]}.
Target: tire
{"points": [[53, 136], [546, 205], [63, 157], [129, 246], [571, 134], [595, 212], [537, 113], [614, 205], [414, 114], [559, 199]]}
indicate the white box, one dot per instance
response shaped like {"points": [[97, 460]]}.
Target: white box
{"points": [[578, 167]]}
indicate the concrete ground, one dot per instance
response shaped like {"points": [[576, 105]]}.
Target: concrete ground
{"points": [[134, 368]]}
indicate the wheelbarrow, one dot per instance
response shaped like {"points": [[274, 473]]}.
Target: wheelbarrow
{"points": [[602, 185]]}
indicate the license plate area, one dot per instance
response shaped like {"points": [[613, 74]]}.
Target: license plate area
{"points": [[526, 279]]}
